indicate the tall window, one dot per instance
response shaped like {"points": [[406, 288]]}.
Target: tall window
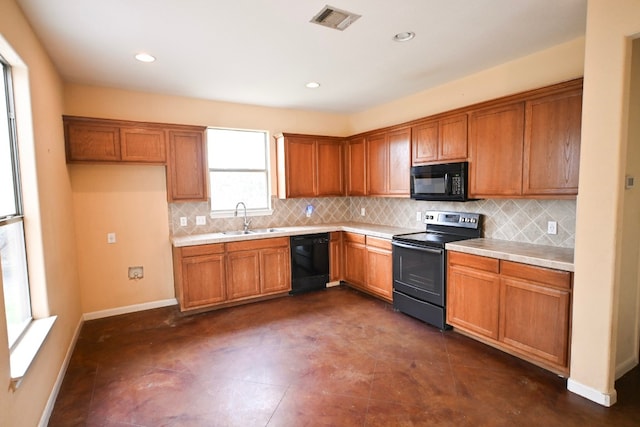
{"points": [[238, 169], [13, 259]]}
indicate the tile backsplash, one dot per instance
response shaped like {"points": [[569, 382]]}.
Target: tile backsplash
{"points": [[522, 220]]}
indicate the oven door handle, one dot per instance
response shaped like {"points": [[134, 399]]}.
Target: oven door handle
{"points": [[418, 248]]}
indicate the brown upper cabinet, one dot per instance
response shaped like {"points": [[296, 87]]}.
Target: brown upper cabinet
{"points": [[94, 140], [496, 141], [388, 163], [552, 143], [187, 165], [310, 166], [439, 140], [529, 147], [181, 148], [356, 169]]}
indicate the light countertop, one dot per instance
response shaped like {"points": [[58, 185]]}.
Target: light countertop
{"points": [[374, 230], [527, 253]]}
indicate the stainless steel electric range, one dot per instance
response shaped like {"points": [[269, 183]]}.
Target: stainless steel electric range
{"points": [[419, 264]]}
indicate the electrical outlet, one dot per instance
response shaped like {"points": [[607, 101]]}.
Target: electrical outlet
{"points": [[136, 273], [552, 227], [183, 221], [111, 238], [418, 216], [363, 212], [201, 220]]}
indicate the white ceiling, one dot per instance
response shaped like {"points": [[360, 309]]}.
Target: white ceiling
{"points": [[263, 52]]}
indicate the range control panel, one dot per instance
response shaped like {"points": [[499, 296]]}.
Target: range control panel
{"points": [[453, 219]]}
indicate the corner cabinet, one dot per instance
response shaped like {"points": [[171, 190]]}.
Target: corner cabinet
{"points": [[356, 168], [181, 148], [368, 264], [309, 166], [522, 309]]}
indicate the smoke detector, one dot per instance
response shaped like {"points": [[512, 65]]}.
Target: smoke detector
{"points": [[334, 18]]}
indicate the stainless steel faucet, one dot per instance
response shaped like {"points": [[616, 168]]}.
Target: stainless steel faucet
{"points": [[246, 222]]}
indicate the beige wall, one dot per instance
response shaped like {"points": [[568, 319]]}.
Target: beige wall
{"points": [[629, 305], [553, 65], [610, 24], [48, 208], [131, 202]]}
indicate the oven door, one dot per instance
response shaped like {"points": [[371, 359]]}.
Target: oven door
{"points": [[419, 272]]}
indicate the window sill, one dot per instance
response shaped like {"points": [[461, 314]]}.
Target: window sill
{"points": [[26, 349]]}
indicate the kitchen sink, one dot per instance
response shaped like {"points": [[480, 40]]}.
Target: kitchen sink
{"points": [[265, 230], [255, 231]]}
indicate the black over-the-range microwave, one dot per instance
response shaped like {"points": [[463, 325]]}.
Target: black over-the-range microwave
{"points": [[440, 182]]}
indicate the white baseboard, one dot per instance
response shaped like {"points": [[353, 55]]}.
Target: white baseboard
{"points": [[604, 399], [48, 409], [626, 366], [129, 309]]}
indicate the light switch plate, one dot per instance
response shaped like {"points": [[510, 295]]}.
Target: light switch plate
{"points": [[552, 227], [363, 212], [111, 238], [183, 221], [201, 220]]}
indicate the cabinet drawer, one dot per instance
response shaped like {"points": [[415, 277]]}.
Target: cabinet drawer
{"points": [[474, 261], [247, 245], [377, 242], [188, 251], [547, 276], [355, 238]]}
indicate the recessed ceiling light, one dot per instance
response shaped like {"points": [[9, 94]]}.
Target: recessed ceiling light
{"points": [[145, 57], [404, 36], [313, 85]]}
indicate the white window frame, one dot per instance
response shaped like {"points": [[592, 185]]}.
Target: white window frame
{"points": [[18, 215], [227, 213]]}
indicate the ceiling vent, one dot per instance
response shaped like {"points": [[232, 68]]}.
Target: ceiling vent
{"points": [[334, 18]]}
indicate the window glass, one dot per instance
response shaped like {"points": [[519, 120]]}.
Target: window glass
{"points": [[13, 257], [238, 169]]}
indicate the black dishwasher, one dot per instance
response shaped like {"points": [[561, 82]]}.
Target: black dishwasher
{"points": [[309, 262]]}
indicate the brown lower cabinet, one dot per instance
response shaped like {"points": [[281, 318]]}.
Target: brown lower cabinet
{"points": [[224, 273], [368, 264], [519, 308]]}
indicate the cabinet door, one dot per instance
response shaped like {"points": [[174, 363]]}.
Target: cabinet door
{"points": [[424, 143], [203, 280], [355, 258], [335, 256], [535, 320], [377, 164], [473, 298], [301, 167], [330, 168], [356, 167], [91, 142], [552, 144], [275, 270], [453, 138], [143, 145], [496, 143], [399, 164], [243, 274], [379, 272], [186, 166]]}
